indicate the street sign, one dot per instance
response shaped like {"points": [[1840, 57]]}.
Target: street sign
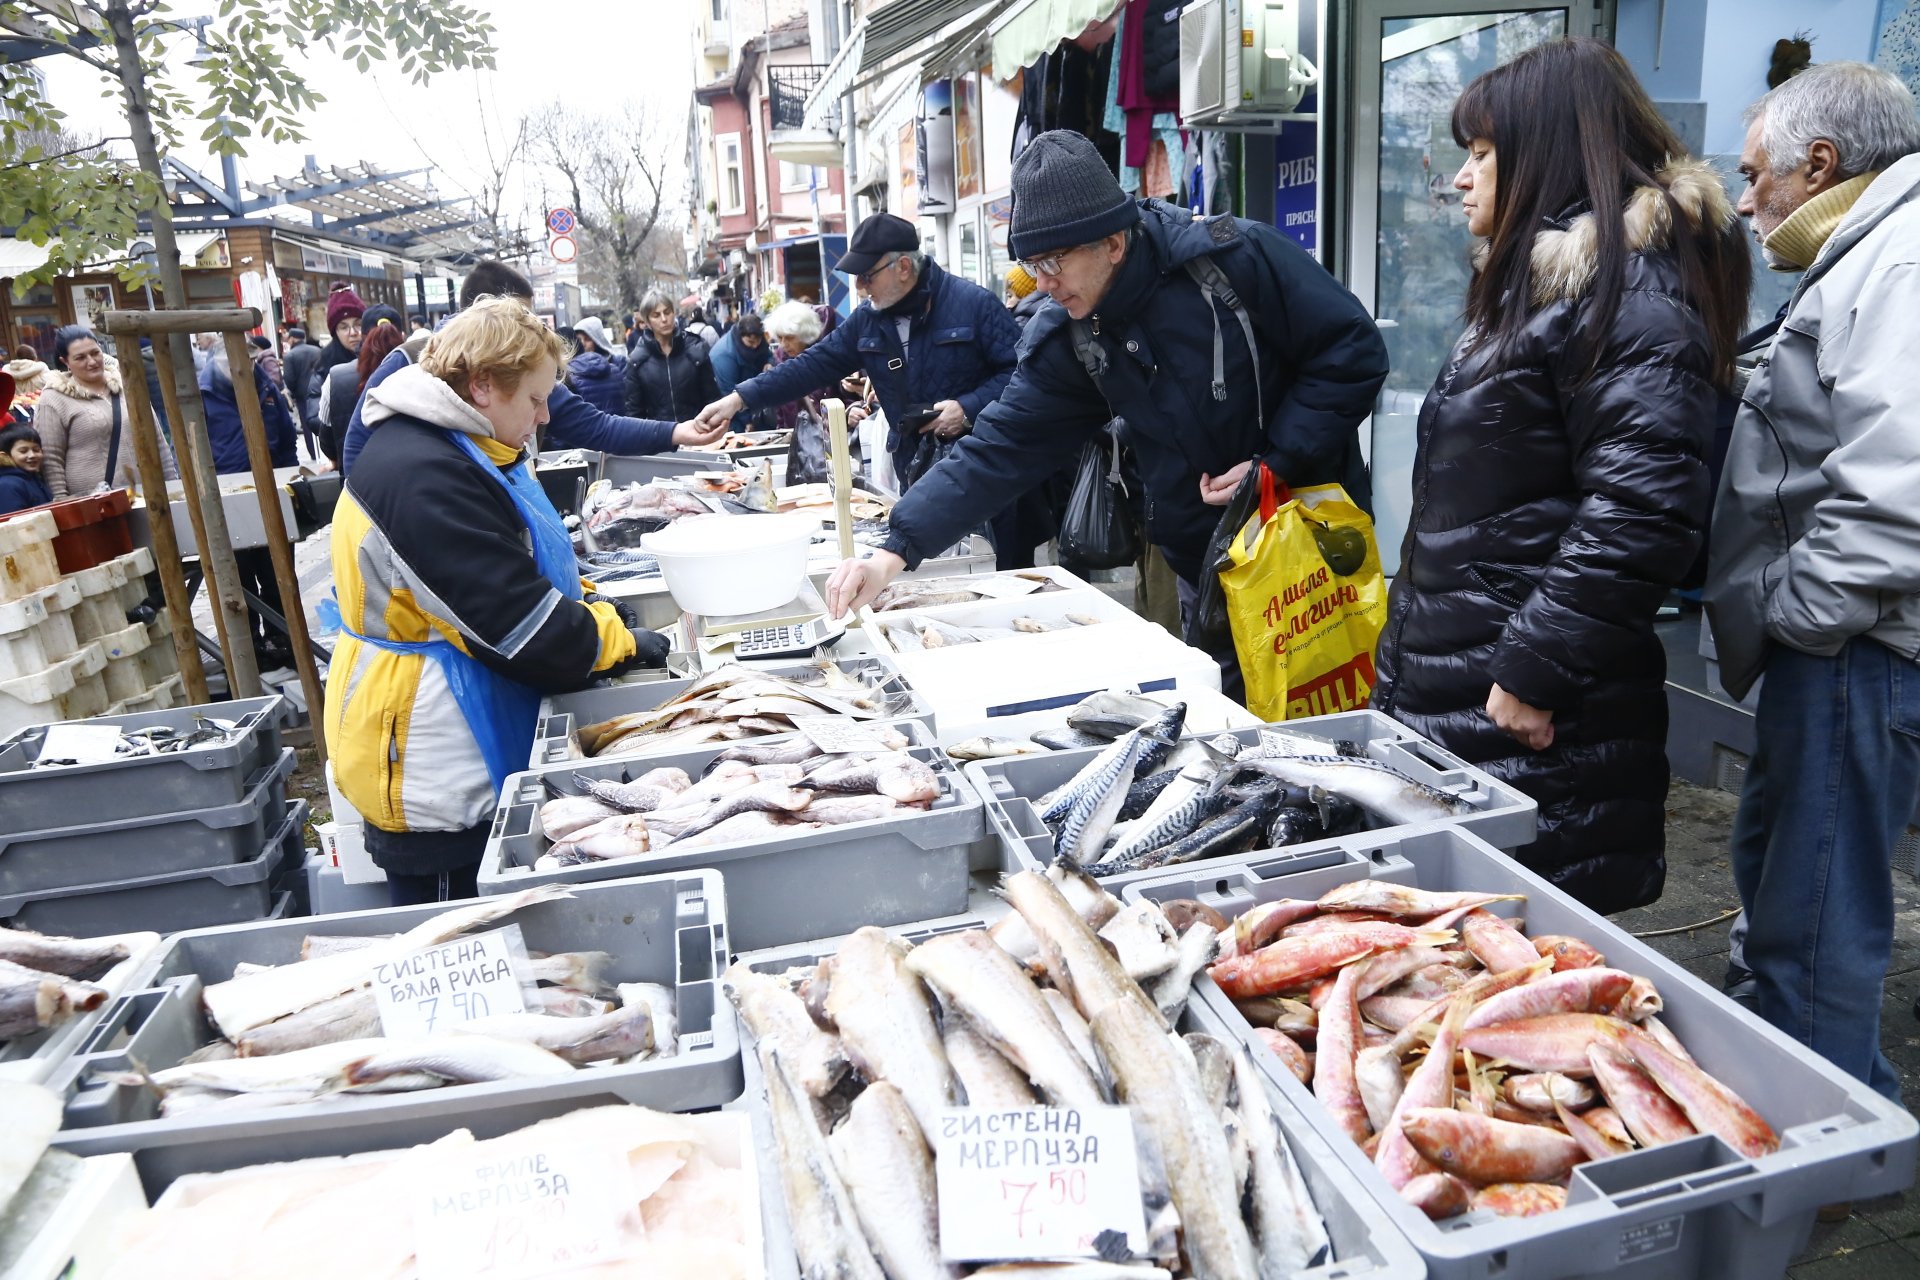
{"points": [[561, 222], [562, 249]]}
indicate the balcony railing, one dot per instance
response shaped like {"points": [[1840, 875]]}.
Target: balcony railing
{"points": [[787, 90]]}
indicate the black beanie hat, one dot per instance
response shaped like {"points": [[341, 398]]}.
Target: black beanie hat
{"points": [[1064, 195]]}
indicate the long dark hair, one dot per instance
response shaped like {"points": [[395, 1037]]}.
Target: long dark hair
{"points": [[1572, 131]]}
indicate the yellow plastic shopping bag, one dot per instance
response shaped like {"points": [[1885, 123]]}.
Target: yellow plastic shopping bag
{"points": [[1307, 600]]}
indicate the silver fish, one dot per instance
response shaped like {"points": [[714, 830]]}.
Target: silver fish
{"points": [[1169, 990], [983, 1072], [1111, 713], [353, 1016], [836, 811], [987, 748], [1380, 789], [886, 1022], [775, 1016], [1175, 811], [611, 1037], [821, 1216], [1074, 1026], [1073, 955], [81, 959], [985, 984], [1288, 1233], [1083, 893], [896, 775], [625, 797], [888, 1169], [1082, 829], [457, 1059]]}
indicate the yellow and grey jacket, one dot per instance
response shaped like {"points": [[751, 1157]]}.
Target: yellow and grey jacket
{"points": [[427, 546]]}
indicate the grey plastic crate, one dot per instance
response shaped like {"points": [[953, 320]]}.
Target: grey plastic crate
{"points": [[669, 929], [764, 448], [808, 884], [562, 713], [1502, 815], [1695, 1208], [625, 469], [30, 1059], [95, 852], [171, 900], [31, 799], [1365, 1244]]}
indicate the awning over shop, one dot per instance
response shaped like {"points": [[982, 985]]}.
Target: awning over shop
{"points": [[17, 256], [1032, 29], [900, 34]]}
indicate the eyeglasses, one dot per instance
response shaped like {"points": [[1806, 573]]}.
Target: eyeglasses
{"points": [[1050, 265], [866, 276]]}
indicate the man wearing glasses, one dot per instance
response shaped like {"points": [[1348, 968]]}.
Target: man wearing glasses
{"points": [[1217, 340], [937, 348]]}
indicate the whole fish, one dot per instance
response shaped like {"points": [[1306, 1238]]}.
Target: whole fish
{"points": [[1111, 713], [1709, 1105], [1438, 1195], [1288, 1051], [311, 1071], [885, 1162], [742, 827], [352, 1016], [1495, 942], [562, 816], [1237, 829], [1148, 745], [610, 1037], [795, 750], [1575, 991], [827, 1239], [886, 1022], [775, 1015], [1483, 1150], [1431, 1085], [457, 1059], [896, 775], [1333, 1060], [1404, 900], [1381, 1080], [834, 811], [1084, 894], [242, 1004], [1295, 962], [1392, 967], [1380, 789], [1520, 1199], [1568, 952], [627, 797], [988, 748], [1542, 1092], [760, 797], [1143, 940], [990, 990], [1179, 807], [1288, 1233], [1073, 954], [1067, 740], [81, 959], [1483, 987], [1258, 926], [1593, 1142], [1557, 1042], [985, 1076], [1154, 1074], [624, 835], [662, 1013], [1650, 1115], [1082, 830]]}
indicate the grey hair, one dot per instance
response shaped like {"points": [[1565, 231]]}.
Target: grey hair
{"points": [[1866, 113], [794, 320], [653, 300]]}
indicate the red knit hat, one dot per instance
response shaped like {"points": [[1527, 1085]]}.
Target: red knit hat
{"points": [[343, 304]]}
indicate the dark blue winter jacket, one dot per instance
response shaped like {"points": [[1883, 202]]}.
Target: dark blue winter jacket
{"points": [[21, 489], [595, 378], [1321, 363], [961, 346], [572, 423], [224, 432]]}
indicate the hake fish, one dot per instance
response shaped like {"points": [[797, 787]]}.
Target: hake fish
{"points": [[457, 1059], [887, 1166], [825, 1224], [886, 1022], [989, 989], [1154, 1074], [985, 1076], [1084, 894], [816, 1059], [1288, 1233], [1380, 789], [241, 1004], [32, 1000], [608, 1037], [1072, 953], [81, 959]]}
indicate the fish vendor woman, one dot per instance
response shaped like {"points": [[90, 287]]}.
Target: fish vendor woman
{"points": [[460, 600]]}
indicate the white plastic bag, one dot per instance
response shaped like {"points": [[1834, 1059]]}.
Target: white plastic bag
{"points": [[873, 448]]}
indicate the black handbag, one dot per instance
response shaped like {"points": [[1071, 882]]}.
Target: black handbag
{"points": [[1099, 529]]}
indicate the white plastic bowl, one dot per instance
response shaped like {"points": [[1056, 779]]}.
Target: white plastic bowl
{"points": [[723, 565]]}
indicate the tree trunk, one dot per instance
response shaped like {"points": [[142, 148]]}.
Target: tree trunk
{"points": [[216, 558]]}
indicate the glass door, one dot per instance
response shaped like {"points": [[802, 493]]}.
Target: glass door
{"points": [[1410, 243]]}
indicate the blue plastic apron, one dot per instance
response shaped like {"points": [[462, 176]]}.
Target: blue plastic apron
{"points": [[501, 712]]}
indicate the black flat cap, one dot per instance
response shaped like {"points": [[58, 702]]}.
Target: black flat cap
{"points": [[874, 239]]}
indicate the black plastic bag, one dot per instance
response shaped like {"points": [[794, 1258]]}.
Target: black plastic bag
{"points": [[928, 452], [808, 460], [1099, 529], [1209, 628]]}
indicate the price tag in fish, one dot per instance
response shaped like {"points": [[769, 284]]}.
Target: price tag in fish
{"points": [[837, 735], [1003, 588], [1036, 1182], [535, 1212], [440, 988]]}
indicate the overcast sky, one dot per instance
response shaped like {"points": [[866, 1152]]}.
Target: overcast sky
{"points": [[594, 56]]}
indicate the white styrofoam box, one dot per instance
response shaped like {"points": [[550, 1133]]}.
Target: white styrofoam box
{"points": [[988, 688], [158, 660], [36, 630], [125, 674], [160, 696], [1051, 608], [100, 613], [138, 564], [70, 689], [27, 563], [98, 1196]]}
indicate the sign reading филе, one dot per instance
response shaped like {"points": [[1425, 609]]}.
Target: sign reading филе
{"points": [[1036, 1182]]}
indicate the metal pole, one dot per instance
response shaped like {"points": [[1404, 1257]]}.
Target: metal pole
{"points": [[279, 545], [166, 548]]}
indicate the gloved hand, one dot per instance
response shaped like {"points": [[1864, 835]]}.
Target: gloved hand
{"points": [[621, 609], [650, 649]]}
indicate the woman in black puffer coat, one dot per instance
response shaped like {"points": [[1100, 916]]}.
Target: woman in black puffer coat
{"points": [[1560, 486]]}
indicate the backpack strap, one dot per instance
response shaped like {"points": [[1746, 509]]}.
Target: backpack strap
{"points": [[1093, 357], [1213, 283]]}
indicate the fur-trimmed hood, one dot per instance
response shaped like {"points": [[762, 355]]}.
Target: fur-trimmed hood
{"points": [[1565, 258], [63, 381]]}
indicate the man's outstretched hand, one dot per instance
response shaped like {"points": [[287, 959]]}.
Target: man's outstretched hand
{"points": [[695, 433], [856, 582], [717, 415]]}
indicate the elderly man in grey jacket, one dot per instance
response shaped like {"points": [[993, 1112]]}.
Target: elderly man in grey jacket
{"points": [[1815, 574]]}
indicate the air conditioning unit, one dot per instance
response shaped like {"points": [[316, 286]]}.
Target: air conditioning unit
{"points": [[1241, 64]]}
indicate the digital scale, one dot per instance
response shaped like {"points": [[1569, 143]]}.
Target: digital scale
{"points": [[796, 629]]}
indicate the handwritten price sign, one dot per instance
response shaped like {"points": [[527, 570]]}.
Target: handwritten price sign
{"points": [[532, 1213], [1035, 1182], [440, 988]]}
